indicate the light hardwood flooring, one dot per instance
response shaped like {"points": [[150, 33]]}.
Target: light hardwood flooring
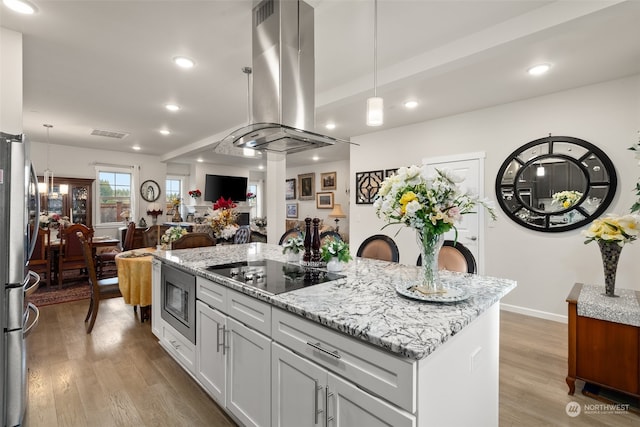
{"points": [[120, 376]]}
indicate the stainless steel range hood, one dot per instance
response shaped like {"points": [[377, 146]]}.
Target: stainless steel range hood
{"points": [[283, 106]]}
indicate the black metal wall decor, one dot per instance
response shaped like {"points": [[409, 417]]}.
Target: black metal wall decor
{"points": [[557, 183], [367, 186], [389, 172]]}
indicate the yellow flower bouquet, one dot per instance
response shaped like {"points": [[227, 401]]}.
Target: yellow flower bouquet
{"points": [[613, 229]]}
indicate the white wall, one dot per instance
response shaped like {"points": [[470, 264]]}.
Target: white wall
{"points": [[10, 82], [307, 208], [546, 265]]}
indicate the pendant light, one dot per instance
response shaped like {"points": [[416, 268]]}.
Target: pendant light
{"points": [[47, 186], [48, 173], [375, 104]]}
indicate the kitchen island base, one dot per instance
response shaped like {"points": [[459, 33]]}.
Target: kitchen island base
{"points": [[349, 352]]}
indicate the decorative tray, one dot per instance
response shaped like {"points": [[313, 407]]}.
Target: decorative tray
{"points": [[449, 294]]}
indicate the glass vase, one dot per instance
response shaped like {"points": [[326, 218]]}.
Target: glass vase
{"points": [[610, 253], [430, 245]]}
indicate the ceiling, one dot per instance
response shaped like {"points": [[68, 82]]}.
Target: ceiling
{"points": [[107, 65]]}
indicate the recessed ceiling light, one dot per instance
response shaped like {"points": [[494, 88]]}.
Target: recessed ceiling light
{"points": [[183, 62], [199, 160], [165, 132], [172, 107], [260, 167], [137, 147], [539, 69], [411, 104], [330, 126], [20, 6], [315, 158]]}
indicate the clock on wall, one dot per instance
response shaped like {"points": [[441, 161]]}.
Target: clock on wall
{"points": [[150, 191]]}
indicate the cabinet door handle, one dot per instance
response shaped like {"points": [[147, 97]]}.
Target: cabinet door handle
{"points": [[225, 335], [316, 411], [328, 395], [174, 344], [218, 344], [318, 346]]}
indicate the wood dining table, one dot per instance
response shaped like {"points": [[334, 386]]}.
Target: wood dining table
{"points": [[134, 278]]}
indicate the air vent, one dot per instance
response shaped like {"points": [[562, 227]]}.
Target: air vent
{"points": [[263, 11], [109, 134]]}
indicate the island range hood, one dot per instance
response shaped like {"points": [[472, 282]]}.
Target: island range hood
{"points": [[283, 68]]}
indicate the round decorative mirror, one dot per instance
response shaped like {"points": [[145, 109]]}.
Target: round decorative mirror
{"points": [[557, 183]]}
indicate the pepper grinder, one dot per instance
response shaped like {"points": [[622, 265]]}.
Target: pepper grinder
{"points": [[307, 241], [315, 242]]}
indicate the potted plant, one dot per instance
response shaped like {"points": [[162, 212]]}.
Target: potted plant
{"points": [[335, 253], [292, 247]]}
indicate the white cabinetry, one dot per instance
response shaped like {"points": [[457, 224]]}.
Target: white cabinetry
{"points": [[233, 361], [182, 350], [305, 394]]}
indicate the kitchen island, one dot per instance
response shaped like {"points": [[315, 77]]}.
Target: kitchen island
{"points": [[351, 351]]}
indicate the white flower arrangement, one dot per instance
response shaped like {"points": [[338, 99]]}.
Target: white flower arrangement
{"points": [[293, 245], [335, 249], [428, 203], [566, 198], [172, 234]]}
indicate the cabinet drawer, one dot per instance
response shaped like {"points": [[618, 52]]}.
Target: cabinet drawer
{"points": [[212, 294], [250, 311], [179, 347], [381, 373]]}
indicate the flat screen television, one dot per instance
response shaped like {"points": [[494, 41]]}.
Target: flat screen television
{"points": [[229, 187]]}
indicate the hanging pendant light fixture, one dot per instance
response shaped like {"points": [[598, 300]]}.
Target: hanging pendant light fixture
{"points": [[47, 186], [48, 173], [375, 104]]}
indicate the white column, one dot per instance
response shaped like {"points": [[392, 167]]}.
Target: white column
{"points": [[274, 195]]}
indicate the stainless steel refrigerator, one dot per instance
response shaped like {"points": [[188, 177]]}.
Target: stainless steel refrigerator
{"points": [[19, 214]]}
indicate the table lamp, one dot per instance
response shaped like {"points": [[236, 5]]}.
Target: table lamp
{"points": [[337, 214]]}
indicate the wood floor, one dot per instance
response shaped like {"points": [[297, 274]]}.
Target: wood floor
{"points": [[120, 376]]}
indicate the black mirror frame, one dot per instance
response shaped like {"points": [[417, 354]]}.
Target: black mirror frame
{"points": [[611, 183]]}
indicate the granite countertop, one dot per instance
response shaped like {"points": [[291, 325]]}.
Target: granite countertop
{"points": [[365, 304], [623, 309]]}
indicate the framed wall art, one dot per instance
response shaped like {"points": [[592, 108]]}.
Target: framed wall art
{"points": [[367, 186], [324, 200], [290, 189], [328, 181], [306, 186], [292, 210]]}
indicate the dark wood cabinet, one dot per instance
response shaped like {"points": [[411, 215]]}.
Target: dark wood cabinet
{"points": [[71, 197], [601, 352]]}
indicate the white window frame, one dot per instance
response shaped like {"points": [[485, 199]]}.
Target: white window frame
{"points": [[133, 171]]}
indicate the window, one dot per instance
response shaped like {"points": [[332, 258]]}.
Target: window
{"points": [[116, 199], [174, 190]]}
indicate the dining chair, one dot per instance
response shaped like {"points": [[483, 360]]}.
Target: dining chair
{"points": [[100, 288], [193, 240], [379, 247], [152, 235], [40, 261], [454, 256], [108, 257], [292, 232], [243, 235], [71, 255]]}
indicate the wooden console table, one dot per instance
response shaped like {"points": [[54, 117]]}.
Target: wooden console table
{"points": [[604, 339]]}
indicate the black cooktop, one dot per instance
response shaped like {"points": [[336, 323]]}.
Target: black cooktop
{"points": [[274, 277]]}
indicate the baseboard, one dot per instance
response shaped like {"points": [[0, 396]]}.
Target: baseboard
{"points": [[534, 313]]}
